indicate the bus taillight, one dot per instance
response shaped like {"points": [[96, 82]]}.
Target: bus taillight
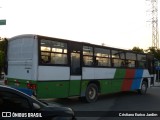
{"points": [[31, 86]]}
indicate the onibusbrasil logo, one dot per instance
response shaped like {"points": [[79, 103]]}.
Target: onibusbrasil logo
{"points": [[20, 115]]}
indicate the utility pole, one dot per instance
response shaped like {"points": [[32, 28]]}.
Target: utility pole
{"points": [[154, 21], [155, 33]]}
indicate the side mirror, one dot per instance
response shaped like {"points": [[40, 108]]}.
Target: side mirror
{"points": [[36, 106]]}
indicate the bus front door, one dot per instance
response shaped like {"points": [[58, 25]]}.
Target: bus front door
{"points": [[75, 74]]}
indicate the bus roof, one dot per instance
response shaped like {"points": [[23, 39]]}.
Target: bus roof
{"points": [[34, 36]]}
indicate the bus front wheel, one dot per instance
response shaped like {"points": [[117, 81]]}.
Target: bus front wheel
{"points": [[91, 94], [143, 89]]}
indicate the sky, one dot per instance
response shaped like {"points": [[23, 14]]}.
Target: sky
{"points": [[116, 23]]}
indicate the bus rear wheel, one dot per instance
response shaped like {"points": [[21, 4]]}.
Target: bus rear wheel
{"points": [[91, 94], [143, 89]]}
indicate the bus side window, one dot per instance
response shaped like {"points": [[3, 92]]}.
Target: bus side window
{"points": [[42, 60], [48, 60], [122, 64], [96, 62], [45, 59], [88, 56], [141, 58], [130, 59]]}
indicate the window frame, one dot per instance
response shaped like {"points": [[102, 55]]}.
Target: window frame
{"points": [[108, 58], [130, 59], [120, 65], [141, 61], [91, 56], [40, 38]]}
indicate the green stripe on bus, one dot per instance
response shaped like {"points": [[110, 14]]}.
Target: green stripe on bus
{"points": [[118, 79], [74, 87], [84, 85], [105, 86], [52, 89]]}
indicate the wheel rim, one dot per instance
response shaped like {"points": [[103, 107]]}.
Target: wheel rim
{"points": [[92, 93], [143, 88]]}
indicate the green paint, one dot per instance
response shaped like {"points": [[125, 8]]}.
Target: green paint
{"points": [[84, 85], [116, 85], [105, 86], [63, 89], [120, 73], [74, 88], [118, 79], [50, 89], [53, 89]]}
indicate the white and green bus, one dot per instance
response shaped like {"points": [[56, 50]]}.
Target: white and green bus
{"points": [[59, 68]]}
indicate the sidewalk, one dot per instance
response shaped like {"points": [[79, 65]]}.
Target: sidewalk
{"points": [[156, 84]]}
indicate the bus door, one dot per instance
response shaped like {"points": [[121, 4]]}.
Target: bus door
{"points": [[75, 69], [154, 69], [157, 71]]}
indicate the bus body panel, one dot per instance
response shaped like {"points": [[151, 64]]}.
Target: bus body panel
{"points": [[53, 81], [75, 85], [21, 58], [98, 73], [58, 81], [52, 89], [137, 80], [50, 73], [117, 81], [128, 78]]}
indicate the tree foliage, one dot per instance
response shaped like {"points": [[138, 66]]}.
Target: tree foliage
{"points": [[151, 50], [3, 49], [154, 51], [137, 49], [1, 59], [3, 44]]}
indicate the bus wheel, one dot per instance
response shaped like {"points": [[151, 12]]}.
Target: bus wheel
{"points": [[91, 93], [143, 89]]}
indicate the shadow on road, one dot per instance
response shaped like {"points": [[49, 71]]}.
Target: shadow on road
{"points": [[76, 100]]}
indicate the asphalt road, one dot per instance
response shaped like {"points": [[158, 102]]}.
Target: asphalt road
{"points": [[119, 103]]}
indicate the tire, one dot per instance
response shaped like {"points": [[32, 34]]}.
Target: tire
{"points": [[91, 94], [143, 89]]}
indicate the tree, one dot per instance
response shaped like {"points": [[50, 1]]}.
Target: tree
{"points": [[154, 51], [3, 53], [1, 60], [3, 44], [137, 49]]}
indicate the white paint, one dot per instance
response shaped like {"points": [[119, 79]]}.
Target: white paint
{"points": [[146, 73], [148, 76], [87, 73], [98, 73], [53, 73], [75, 77], [21, 63]]}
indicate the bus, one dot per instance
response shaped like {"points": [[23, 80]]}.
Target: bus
{"points": [[59, 68]]}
